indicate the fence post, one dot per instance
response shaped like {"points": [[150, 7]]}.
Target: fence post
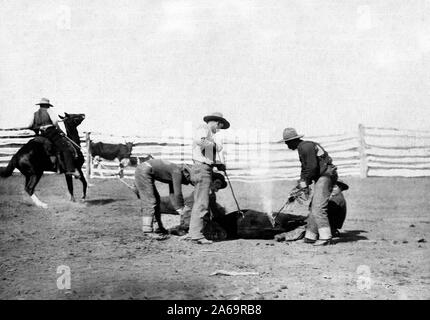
{"points": [[87, 141], [362, 150]]}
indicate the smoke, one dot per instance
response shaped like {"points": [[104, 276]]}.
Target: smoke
{"points": [[258, 157], [266, 195], [267, 203]]}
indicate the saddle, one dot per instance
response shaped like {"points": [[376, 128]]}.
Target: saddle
{"points": [[52, 152]]}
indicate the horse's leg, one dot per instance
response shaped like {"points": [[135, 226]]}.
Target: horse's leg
{"points": [[94, 166], [30, 184], [121, 171], [69, 180], [99, 167], [97, 164], [84, 183]]}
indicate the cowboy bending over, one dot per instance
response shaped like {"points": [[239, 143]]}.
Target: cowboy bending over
{"points": [[163, 171], [317, 167]]}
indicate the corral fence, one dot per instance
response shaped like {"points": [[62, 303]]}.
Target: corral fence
{"points": [[367, 152]]}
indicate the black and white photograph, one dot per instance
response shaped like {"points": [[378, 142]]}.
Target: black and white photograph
{"points": [[236, 151]]}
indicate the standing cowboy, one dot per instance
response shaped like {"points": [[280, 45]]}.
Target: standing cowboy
{"points": [[317, 167], [46, 124], [204, 155], [163, 171]]}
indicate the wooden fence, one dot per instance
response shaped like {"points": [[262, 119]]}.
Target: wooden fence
{"points": [[394, 152], [368, 152]]}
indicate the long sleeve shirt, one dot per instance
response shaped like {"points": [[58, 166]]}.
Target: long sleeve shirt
{"points": [[44, 117], [204, 148], [308, 158], [170, 173]]}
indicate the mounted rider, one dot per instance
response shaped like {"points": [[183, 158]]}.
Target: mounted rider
{"points": [[45, 123]]}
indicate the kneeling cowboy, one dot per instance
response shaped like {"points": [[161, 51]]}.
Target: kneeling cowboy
{"points": [[317, 166], [45, 124], [163, 171], [337, 207], [204, 155]]}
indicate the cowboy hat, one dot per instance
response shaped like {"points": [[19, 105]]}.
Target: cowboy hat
{"points": [[290, 134], [219, 176], [217, 116], [44, 101], [342, 185]]}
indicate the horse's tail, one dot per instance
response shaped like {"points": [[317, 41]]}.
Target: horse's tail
{"points": [[7, 171]]}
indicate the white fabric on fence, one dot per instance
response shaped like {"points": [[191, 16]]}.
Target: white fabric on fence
{"points": [[389, 152]]}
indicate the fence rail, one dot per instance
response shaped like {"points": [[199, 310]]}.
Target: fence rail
{"points": [[371, 152]]}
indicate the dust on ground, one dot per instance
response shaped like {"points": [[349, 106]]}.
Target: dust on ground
{"points": [[383, 254]]}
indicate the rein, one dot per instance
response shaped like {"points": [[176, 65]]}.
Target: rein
{"points": [[128, 185]]}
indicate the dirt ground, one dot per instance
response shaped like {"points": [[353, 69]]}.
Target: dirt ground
{"points": [[383, 252]]}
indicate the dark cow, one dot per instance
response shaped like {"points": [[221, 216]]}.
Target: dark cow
{"points": [[110, 151]]}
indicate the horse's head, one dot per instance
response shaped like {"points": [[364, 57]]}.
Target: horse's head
{"points": [[72, 120]]}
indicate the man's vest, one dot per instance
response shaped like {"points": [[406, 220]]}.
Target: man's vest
{"points": [[324, 160], [41, 118], [51, 135]]}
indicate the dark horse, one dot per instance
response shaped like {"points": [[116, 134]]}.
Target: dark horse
{"points": [[32, 160]]}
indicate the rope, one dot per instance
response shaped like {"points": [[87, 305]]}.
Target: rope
{"points": [[232, 192], [294, 195], [231, 188], [73, 142], [128, 185]]}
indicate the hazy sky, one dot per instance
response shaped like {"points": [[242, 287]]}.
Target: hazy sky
{"points": [[138, 67]]}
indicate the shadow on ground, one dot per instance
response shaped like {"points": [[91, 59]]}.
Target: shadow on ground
{"points": [[96, 202], [351, 236]]}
